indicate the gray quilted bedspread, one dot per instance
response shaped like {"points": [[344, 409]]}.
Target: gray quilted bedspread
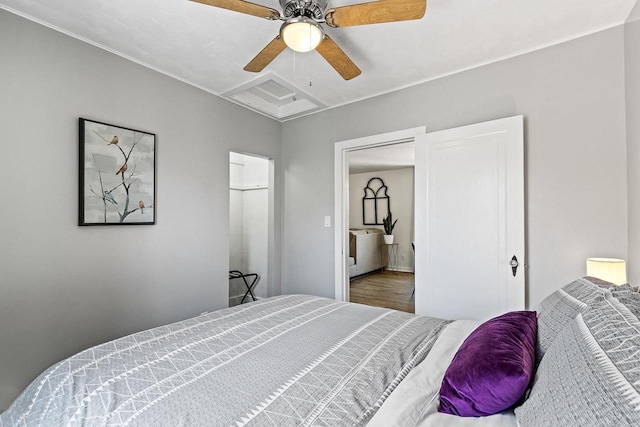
{"points": [[284, 361]]}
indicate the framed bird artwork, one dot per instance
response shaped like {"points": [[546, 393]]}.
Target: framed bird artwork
{"points": [[117, 175]]}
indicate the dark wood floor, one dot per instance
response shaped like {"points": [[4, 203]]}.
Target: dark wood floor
{"points": [[386, 289]]}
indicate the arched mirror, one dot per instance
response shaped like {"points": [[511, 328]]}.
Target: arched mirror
{"points": [[375, 203]]}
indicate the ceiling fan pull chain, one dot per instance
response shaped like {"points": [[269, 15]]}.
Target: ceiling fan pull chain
{"points": [[295, 98], [310, 38]]}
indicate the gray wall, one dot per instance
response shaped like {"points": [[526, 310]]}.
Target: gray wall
{"points": [[632, 64], [64, 287], [572, 97]]}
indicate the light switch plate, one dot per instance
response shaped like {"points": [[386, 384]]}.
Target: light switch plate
{"points": [[327, 221]]}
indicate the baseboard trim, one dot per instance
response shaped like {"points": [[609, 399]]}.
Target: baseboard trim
{"points": [[401, 269], [377, 270]]}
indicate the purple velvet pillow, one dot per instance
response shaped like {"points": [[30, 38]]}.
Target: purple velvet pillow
{"points": [[492, 368]]}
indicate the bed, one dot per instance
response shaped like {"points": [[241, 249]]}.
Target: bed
{"points": [[299, 360]]}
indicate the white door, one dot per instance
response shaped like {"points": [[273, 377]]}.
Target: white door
{"points": [[469, 220]]}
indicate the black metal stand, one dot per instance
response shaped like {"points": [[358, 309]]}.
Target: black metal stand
{"points": [[236, 274]]}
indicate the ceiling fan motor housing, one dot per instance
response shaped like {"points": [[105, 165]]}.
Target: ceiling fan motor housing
{"points": [[313, 9]]}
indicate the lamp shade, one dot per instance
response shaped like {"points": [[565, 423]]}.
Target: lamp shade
{"points": [[301, 34], [609, 269]]}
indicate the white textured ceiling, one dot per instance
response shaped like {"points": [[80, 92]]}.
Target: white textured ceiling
{"points": [[208, 47]]}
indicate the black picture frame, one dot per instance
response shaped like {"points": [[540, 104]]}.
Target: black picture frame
{"points": [[117, 175]]}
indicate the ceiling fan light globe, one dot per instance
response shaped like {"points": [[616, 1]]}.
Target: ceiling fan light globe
{"points": [[302, 34]]}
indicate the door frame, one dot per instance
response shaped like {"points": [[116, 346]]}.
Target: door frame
{"points": [[341, 196]]}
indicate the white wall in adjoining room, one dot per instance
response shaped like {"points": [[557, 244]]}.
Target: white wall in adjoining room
{"points": [[64, 288], [572, 97], [401, 192], [249, 224]]}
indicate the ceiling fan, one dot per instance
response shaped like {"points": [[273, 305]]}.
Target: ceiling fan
{"points": [[302, 29]]}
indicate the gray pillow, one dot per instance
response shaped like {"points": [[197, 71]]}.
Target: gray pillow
{"points": [[626, 294], [589, 375], [600, 282], [629, 297], [559, 308]]}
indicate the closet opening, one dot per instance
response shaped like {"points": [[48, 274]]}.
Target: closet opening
{"points": [[250, 222]]}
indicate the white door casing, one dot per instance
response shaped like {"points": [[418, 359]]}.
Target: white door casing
{"points": [[341, 197], [469, 220]]}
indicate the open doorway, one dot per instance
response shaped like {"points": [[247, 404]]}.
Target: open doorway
{"points": [[341, 193], [249, 178], [381, 262]]}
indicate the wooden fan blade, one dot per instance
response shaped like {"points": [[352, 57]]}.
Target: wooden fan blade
{"points": [[266, 55], [243, 7], [376, 12], [339, 60]]}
